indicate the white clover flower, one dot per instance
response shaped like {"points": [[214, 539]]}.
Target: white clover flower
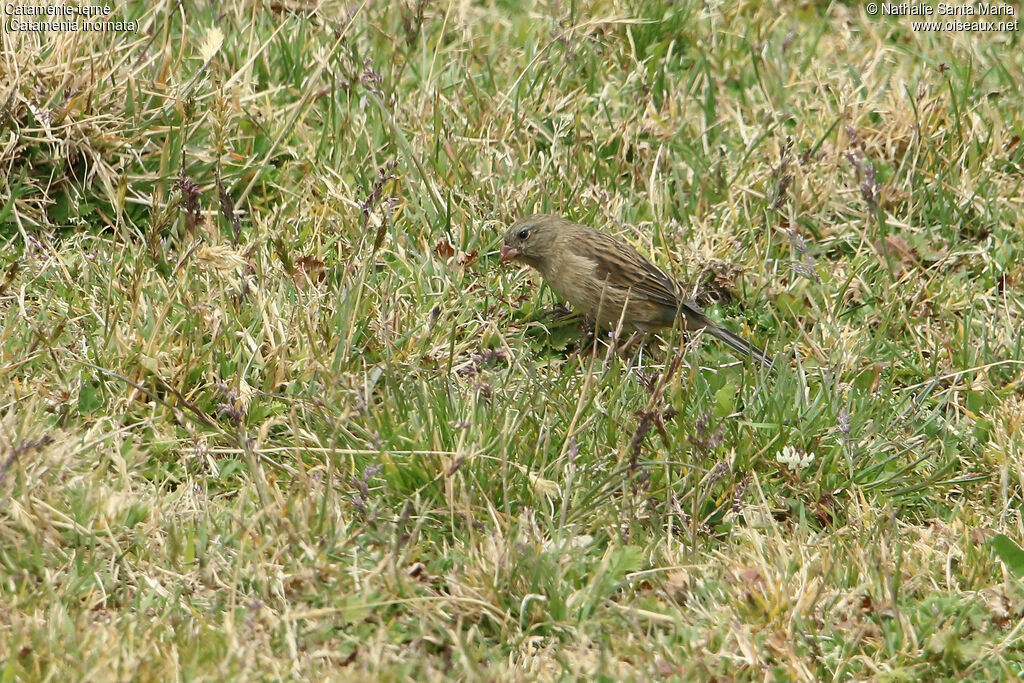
{"points": [[794, 458]]}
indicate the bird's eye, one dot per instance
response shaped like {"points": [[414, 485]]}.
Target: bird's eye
{"points": [[523, 234]]}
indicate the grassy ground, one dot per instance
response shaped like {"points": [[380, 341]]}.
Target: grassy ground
{"points": [[269, 407]]}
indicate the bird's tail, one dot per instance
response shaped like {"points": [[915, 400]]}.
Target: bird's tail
{"points": [[738, 343], [695, 319]]}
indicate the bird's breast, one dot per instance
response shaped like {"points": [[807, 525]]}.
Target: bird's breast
{"points": [[575, 279], [572, 278]]}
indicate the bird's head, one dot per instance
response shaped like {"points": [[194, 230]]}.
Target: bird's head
{"points": [[529, 240]]}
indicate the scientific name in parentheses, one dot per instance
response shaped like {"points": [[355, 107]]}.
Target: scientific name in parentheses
{"points": [[943, 9]]}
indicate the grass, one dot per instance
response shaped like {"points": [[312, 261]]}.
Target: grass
{"points": [[269, 407]]}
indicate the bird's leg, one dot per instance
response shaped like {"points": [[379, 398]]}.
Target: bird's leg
{"points": [[588, 333], [560, 313], [631, 351], [586, 343], [634, 343], [588, 338]]}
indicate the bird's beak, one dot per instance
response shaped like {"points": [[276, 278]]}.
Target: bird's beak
{"points": [[508, 253]]}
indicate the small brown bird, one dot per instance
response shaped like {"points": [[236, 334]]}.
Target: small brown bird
{"points": [[608, 280]]}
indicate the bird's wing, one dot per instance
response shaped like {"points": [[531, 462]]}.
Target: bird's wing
{"points": [[620, 265]]}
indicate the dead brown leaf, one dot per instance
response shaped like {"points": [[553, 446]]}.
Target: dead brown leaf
{"points": [[906, 255], [444, 249], [308, 267]]}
